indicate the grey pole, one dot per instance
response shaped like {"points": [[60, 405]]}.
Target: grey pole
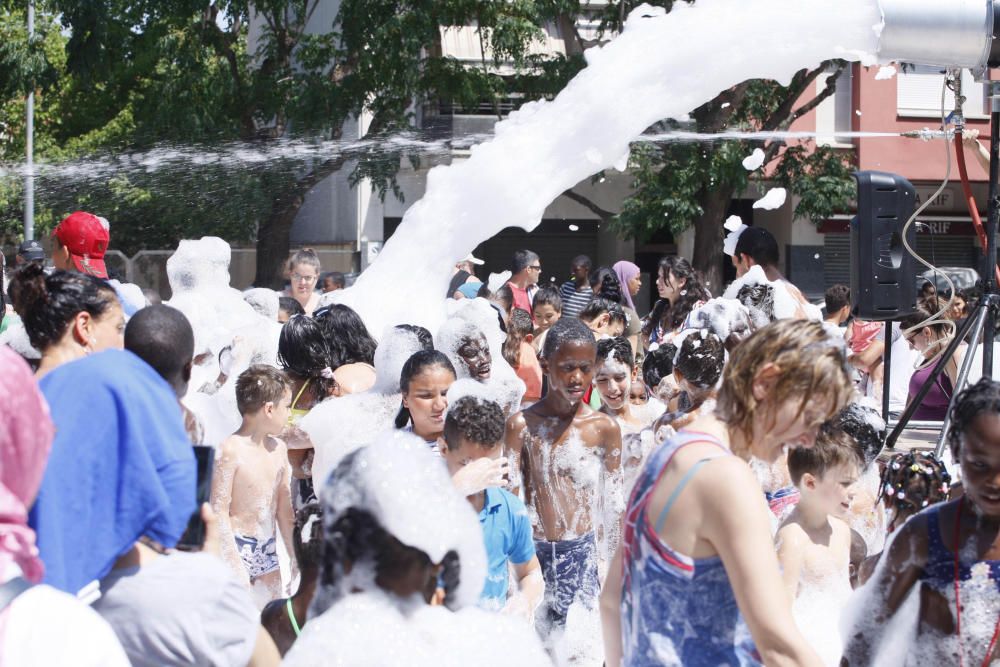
{"points": [[29, 174]]}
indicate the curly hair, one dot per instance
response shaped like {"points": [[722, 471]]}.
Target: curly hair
{"points": [[669, 316], [423, 336], [809, 365], [476, 420], [48, 303], [605, 284], [701, 358], [658, 364], [913, 480], [303, 350], [518, 329], [982, 397], [864, 426]]}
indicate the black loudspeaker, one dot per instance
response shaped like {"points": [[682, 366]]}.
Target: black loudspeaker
{"points": [[883, 273]]}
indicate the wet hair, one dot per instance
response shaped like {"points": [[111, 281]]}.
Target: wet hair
{"points": [[505, 297], [290, 306], [829, 452], [475, 419], [617, 348], [582, 260], [422, 335], [417, 363], [980, 398], [308, 544], [258, 385], [356, 536], [518, 328], [836, 297], [671, 317], [658, 364], [808, 364], [347, 336], [864, 426], [759, 244], [913, 480], [304, 350], [605, 284], [548, 296], [47, 304], [700, 359], [162, 337], [598, 306], [336, 277], [521, 260], [759, 300], [305, 256], [567, 330]]}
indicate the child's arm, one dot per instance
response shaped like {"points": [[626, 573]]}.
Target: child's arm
{"points": [[286, 515], [611, 612], [513, 444], [611, 499], [226, 464], [791, 553], [530, 588], [895, 575]]}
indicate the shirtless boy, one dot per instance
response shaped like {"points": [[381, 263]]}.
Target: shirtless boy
{"points": [[251, 486], [814, 541], [570, 459]]}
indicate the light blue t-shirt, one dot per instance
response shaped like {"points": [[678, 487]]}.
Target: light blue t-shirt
{"points": [[507, 536]]}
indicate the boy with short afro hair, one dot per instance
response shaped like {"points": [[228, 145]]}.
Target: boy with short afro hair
{"points": [[570, 459], [473, 430], [814, 541], [251, 492]]}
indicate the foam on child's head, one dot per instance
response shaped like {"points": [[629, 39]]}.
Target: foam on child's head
{"points": [[565, 331], [257, 386]]}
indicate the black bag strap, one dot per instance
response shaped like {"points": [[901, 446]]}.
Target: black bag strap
{"points": [[10, 590]]}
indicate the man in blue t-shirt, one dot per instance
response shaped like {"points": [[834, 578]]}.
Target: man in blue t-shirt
{"points": [[473, 430]]}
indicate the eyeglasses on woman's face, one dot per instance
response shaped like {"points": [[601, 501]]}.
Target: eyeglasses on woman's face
{"points": [[300, 278]]}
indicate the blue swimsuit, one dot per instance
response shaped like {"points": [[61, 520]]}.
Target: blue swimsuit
{"points": [[939, 572], [676, 610]]}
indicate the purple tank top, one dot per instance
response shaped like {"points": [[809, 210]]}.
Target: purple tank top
{"points": [[934, 407]]}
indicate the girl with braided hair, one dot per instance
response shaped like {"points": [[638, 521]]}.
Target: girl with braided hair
{"points": [[910, 482], [947, 554]]}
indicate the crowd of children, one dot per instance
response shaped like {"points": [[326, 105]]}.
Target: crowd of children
{"points": [[701, 487]]}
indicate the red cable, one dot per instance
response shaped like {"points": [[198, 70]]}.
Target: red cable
{"points": [[970, 200]]}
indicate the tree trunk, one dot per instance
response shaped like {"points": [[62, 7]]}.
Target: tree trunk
{"points": [[708, 236], [274, 234]]}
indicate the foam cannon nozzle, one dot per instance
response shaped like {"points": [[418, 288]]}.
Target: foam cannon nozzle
{"points": [[944, 33]]}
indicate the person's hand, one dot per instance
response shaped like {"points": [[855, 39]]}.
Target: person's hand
{"points": [[970, 138], [295, 438], [212, 544], [482, 474]]}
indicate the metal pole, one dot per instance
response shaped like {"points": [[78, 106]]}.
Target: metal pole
{"points": [[29, 174], [984, 307], [886, 370], [992, 219]]}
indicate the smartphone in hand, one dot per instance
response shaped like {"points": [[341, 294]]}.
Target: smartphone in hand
{"points": [[194, 536]]}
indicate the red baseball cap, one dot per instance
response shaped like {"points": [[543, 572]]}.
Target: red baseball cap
{"points": [[86, 238]]}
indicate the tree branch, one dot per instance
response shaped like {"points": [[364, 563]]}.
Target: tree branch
{"points": [[828, 90], [603, 214], [795, 91]]}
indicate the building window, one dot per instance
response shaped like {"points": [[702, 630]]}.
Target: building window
{"points": [[918, 94], [835, 113]]}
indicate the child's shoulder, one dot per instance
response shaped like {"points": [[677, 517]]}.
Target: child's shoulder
{"points": [[791, 533]]}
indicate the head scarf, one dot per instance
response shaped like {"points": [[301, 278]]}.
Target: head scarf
{"points": [[24, 448], [626, 271], [121, 467]]}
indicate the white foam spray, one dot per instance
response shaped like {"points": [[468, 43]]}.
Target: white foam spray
{"points": [[662, 65]]}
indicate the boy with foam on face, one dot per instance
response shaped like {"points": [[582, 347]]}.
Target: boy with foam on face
{"points": [[570, 459], [251, 485], [814, 541], [473, 430]]}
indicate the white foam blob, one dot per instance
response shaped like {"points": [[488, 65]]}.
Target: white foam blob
{"points": [[885, 72], [774, 199], [753, 161]]}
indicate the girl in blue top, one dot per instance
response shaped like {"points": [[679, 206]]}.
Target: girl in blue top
{"points": [[948, 555], [696, 580]]}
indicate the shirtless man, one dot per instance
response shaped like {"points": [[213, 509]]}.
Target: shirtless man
{"points": [[757, 247], [570, 459], [251, 485]]}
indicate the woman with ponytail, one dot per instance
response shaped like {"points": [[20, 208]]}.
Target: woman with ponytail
{"points": [[424, 381]]}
